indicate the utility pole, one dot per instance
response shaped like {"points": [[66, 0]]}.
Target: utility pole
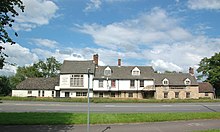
{"points": [[88, 114]]}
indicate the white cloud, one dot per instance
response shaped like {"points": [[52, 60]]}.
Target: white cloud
{"points": [[45, 42], [17, 55], [161, 65], [204, 4], [93, 5], [149, 28], [36, 13]]}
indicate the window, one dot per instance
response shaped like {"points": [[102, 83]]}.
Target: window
{"points": [[29, 92], [112, 94], [42, 93], [39, 93], [165, 81], [113, 83], [101, 83], [81, 94], [187, 81], [165, 95], [132, 83], [136, 71], [176, 94], [188, 95], [141, 83], [107, 71], [52, 93], [100, 94], [130, 95], [206, 94], [76, 81]]}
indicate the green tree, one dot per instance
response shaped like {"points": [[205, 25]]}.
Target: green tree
{"points": [[210, 69], [49, 68], [5, 86], [7, 14]]}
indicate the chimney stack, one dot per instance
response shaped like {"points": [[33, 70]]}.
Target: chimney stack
{"points": [[119, 62], [96, 59], [191, 71]]}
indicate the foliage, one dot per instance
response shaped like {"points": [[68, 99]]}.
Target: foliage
{"points": [[109, 100], [7, 14], [49, 68], [40, 118], [5, 86], [210, 69]]}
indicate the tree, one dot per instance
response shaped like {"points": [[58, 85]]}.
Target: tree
{"points": [[7, 14], [210, 69], [49, 68], [5, 86]]}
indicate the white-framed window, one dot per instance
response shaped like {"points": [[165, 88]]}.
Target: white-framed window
{"points": [[81, 94], [52, 93], [43, 93], [141, 83], [112, 94], [100, 94], [101, 83], [112, 83], [176, 94], [29, 92], [107, 71], [206, 94], [165, 81], [130, 95], [76, 80], [187, 81], [38, 93], [187, 94], [165, 95], [132, 83], [135, 72]]}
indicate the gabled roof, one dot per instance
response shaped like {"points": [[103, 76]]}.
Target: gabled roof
{"points": [[77, 67], [124, 72], [174, 78], [38, 84], [205, 87]]}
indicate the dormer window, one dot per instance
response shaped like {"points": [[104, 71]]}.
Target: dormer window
{"points": [[135, 72], [165, 81], [107, 71], [187, 81]]}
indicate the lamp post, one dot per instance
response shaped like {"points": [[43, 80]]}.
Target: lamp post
{"points": [[88, 114]]}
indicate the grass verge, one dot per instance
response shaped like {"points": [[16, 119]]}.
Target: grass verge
{"points": [[108, 100], [212, 130], [98, 118]]}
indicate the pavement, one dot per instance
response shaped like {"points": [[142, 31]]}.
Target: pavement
{"points": [[35, 106], [174, 126]]}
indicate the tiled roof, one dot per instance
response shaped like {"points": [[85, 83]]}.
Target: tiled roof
{"points": [[205, 87], [125, 72], [38, 83], [174, 78], [77, 67]]}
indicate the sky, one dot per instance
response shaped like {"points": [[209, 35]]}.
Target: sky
{"points": [[170, 35]]}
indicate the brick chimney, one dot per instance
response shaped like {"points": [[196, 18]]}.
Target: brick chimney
{"points": [[191, 71], [96, 59], [119, 62]]}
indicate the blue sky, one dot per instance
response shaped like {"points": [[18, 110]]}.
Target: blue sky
{"points": [[166, 34]]}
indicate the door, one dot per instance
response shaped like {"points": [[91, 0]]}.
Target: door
{"points": [[67, 94], [57, 93]]}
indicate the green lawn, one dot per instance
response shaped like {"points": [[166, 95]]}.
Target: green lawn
{"points": [[108, 100], [212, 130], [98, 118]]}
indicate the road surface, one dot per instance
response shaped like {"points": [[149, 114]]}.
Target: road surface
{"points": [[34, 106], [175, 126]]}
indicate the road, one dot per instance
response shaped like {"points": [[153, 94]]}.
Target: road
{"points": [[34, 106], [175, 126]]}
